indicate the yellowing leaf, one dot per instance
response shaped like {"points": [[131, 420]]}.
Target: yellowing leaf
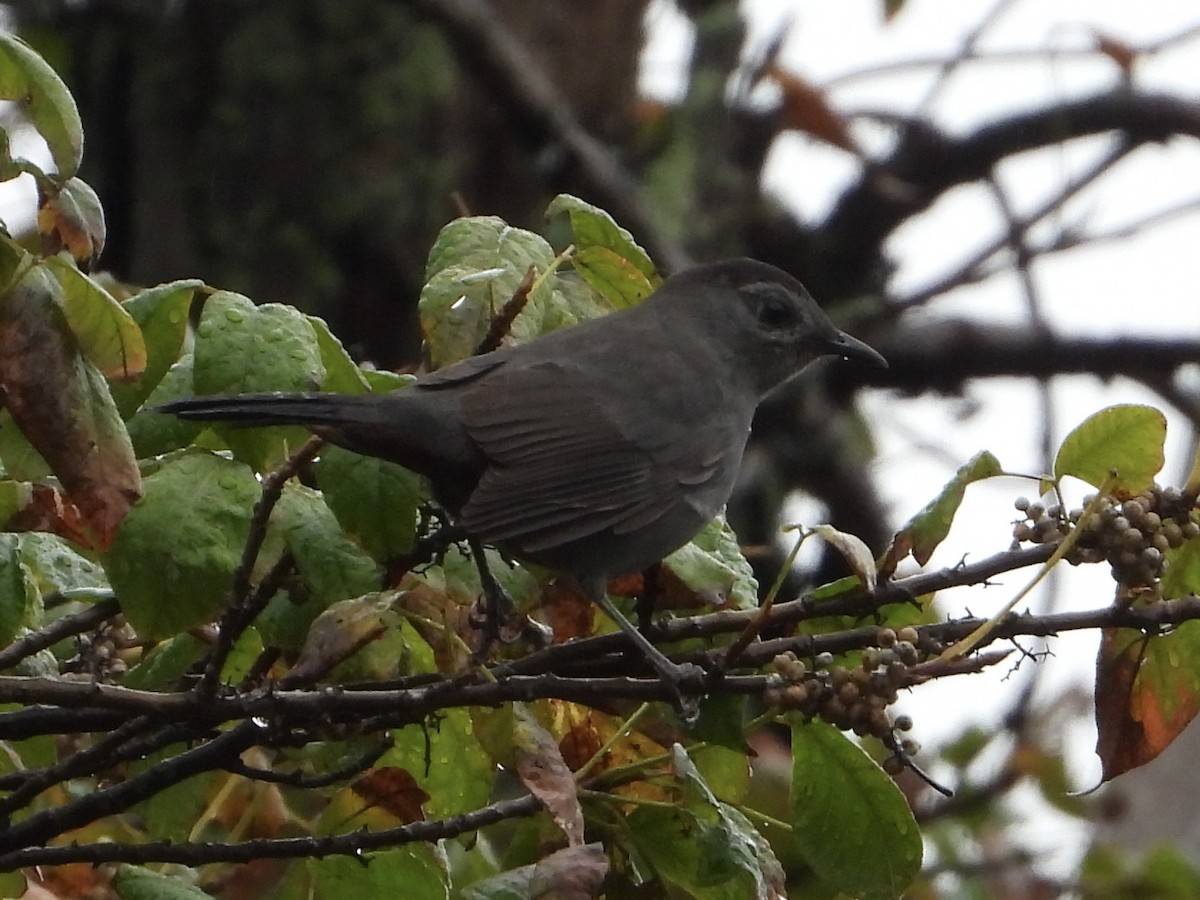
{"points": [[106, 332], [929, 527], [1126, 440]]}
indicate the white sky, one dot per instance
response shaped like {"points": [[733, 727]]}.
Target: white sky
{"points": [[1145, 285]]}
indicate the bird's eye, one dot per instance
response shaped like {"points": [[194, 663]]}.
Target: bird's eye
{"points": [[776, 312]]}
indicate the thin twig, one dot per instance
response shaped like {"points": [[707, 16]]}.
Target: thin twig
{"points": [[73, 623]]}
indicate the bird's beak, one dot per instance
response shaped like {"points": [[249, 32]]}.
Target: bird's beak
{"points": [[848, 347]]}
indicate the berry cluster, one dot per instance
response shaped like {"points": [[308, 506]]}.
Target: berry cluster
{"points": [[100, 654], [1133, 536], [853, 699]]}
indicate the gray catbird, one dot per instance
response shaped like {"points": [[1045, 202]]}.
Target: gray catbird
{"points": [[597, 449]]}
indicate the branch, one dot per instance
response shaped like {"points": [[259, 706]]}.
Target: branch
{"points": [[352, 844], [74, 623], [508, 69], [43, 826], [943, 355], [928, 163]]}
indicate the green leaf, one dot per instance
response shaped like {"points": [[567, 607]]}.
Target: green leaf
{"points": [[850, 821], [163, 666], [41, 95], [21, 459], [331, 565], [14, 495], [135, 883], [929, 527], [415, 872], [614, 278], [375, 501], [162, 315], [55, 565], [1126, 440], [606, 256], [474, 269], [107, 334], [171, 570], [342, 376], [19, 597], [154, 433], [171, 813], [592, 227], [447, 761], [712, 565], [243, 348], [702, 847], [1182, 577]]}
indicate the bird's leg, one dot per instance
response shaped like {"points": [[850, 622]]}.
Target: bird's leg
{"points": [[644, 606], [674, 675], [497, 604]]}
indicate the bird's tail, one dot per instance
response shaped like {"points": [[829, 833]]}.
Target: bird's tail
{"points": [[276, 409]]}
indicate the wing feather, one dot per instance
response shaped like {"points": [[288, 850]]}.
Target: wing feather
{"points": [[560, 467]]}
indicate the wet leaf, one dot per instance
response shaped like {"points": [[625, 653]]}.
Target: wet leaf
{"points": [[375, 501], [173, 571], [445, 758], [243, 349], [161, 313], [342, 376], [1147, 691], [331, 565], [475, 268], [850, 821]]}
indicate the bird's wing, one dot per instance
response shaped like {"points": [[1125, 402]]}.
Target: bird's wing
{"points": [[561, 468]]}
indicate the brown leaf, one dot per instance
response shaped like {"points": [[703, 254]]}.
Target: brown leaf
{"points": [[48, 510], [581, 739], [807, 109], [1147, 691], [541, 768], [63, 407], [429, 600], [336, 635], [566, 610], [73, 220], [573, 873], [1116, 50], [393, 789]]}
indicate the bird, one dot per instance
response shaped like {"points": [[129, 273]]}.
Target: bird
{"points": [[599, 448]]}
